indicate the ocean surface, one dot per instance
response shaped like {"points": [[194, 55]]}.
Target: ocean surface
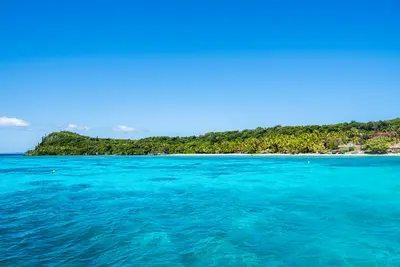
{"points": [[200, 211]]}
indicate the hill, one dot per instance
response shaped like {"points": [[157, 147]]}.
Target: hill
{"points": [[372, 137]]}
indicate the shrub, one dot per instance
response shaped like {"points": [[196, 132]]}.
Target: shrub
{"points": [[377, 144]]}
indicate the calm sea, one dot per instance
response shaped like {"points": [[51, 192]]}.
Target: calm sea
{"points": [[200, 211]]}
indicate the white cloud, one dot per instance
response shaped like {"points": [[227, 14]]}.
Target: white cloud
{"points": [[74, 127], [12, 122], [125, 129]]}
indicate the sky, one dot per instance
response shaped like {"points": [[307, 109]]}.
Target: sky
{"points": [[131, 69]]}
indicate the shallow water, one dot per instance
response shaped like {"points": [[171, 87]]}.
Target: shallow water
{"points": [[200, 211]]}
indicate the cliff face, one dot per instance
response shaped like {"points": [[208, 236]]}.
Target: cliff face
{"points": [[278, 139]]}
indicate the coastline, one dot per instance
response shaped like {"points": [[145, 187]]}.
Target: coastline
{"points": [[288, 155], [224, 155]]}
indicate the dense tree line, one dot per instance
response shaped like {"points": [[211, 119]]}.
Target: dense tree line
{"points": [[278, 139]]}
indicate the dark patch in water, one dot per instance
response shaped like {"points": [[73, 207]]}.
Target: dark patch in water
{"points": [[162, 179], [114, 195], [216, 174], [100, 164], [136, 210], [175, 167], [351, 165], [79, 187], [27, 170], [79, 197], [51, 188], [181, 192], [45, 182], [178, 167], [79, 174], [41, 188]]}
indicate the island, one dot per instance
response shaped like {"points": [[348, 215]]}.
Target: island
{"points": [[379, 137]]}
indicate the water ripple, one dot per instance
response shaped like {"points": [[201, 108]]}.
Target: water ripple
{"points": [[201, 211]]}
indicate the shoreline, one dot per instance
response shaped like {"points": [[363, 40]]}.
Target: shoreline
{"points": [[287, 155], [224, 155]]}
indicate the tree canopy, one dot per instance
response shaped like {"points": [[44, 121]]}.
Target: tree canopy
{"points": [[377, 145]]}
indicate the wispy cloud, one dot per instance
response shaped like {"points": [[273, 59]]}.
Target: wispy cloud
{"points": [[12, 122], [125, 129], [74, 127]]}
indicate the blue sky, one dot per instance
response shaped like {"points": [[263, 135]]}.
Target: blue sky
{"points": [[131, 69]]}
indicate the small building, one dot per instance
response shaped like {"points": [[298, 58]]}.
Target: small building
{"points": [[350, 147], [394, 148]]}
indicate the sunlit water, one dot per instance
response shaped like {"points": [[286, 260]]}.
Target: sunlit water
{"points": [[200, 211]]}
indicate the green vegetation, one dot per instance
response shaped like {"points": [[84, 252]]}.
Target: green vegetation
{"points": [[377, 145], [375, 137]]}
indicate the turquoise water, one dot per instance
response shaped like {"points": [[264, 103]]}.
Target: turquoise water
{"points": [[200, 211]]}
